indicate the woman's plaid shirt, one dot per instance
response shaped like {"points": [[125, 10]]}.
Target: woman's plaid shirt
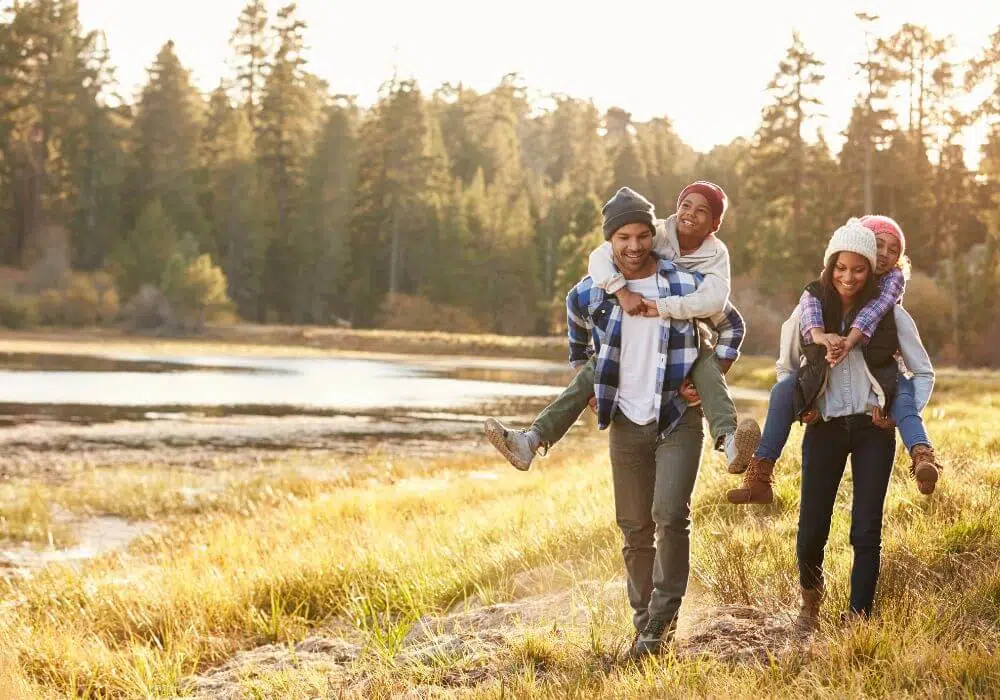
{"points": [[594, 321]]}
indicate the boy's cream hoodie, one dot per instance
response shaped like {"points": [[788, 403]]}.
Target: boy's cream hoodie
{"points": [[711, 259]]}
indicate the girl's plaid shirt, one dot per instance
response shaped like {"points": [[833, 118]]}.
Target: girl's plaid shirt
{"points": [[890, 292]]}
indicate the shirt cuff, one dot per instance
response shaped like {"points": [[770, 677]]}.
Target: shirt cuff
{"points": [[864, 331], [726, 353], [662, 307]]}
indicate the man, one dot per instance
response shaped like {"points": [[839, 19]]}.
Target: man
{"points": [[643, 393]]}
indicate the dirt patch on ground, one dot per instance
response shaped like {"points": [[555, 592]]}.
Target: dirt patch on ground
{"points": [[49, 451], [740, 634], [471, 644], [332, 657]]}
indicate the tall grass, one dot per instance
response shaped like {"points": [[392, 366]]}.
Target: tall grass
{"points": [[380, 552]]}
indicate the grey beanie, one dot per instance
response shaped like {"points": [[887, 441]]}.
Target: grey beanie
{"points": [[626, 207]]}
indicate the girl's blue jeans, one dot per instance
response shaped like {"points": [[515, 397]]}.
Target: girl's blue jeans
{"points": [[778, 423]]}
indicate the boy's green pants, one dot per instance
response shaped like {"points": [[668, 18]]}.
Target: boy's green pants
{"points": [[558, 417]]}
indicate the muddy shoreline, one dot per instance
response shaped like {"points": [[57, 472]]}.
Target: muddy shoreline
{"points": [[64, 443]]}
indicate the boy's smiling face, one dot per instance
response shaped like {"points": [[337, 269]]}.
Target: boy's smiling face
{"points": [[694, 217]]}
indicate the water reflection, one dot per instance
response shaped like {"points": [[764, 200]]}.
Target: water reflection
{"points": [[67, 385], [114, 387]]}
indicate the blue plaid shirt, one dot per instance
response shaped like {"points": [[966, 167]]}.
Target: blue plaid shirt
{"points": [[594, 321]]}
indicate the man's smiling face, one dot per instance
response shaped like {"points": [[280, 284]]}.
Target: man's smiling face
{"points": [[632, 247]]}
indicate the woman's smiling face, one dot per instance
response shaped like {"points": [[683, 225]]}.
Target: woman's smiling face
{"points": [[850, 273]]}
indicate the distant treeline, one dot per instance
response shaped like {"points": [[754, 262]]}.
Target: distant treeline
{"points": [[453, 209]]}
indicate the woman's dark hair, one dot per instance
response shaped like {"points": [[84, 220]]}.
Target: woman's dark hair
{"points": [[833, 310]]}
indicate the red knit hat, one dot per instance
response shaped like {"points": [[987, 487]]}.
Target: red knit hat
{"points": [[717, 200], [876, 223]]}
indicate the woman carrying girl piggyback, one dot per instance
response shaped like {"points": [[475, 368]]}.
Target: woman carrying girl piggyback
{"points": [[847, 401], [825, 348]]}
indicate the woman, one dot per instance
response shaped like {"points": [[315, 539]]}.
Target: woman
{"points": [[846, 418]]}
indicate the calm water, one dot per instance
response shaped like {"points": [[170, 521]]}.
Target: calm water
{"points": [[318, 383]]}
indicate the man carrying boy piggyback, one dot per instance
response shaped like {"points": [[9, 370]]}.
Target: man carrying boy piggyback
{"points": [[641, 368], [687, 238]]}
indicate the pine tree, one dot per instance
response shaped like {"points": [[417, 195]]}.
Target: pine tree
{"points": [[627, 166], [141, 257], [249, 42], [51, 74], [913, 56], [400, 152], [290, 116], [288, 119], [330, 191], [985, 68], [167, 136], [230, 199], [868, 120], [780, 163]]}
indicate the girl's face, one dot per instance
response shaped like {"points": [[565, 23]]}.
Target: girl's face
{"points": [[888, 252], [850, 273]]}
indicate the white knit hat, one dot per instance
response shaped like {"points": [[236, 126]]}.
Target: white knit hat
{"points": [[855, 238]]}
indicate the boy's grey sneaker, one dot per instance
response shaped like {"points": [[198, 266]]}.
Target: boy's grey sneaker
{"points": [[651, 640], [518, 446], [741, 445]]}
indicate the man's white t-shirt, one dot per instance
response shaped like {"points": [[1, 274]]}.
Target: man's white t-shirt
{"points": [[639, 355]]}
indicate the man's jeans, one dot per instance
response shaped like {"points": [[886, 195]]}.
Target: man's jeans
{"points": [[779, 420], [558, 417], [653, 481], [825, 448]]}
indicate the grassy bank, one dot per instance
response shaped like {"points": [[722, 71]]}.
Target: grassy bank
{"points": [[259, 339], [361, 556]]}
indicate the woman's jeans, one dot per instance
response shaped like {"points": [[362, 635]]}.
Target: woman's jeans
{"points": [[780, 417], [825, 449]]}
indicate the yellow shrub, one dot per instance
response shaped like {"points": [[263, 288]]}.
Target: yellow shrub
{"points": [[403, 312]]}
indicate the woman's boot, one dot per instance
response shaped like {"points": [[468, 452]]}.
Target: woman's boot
{"points": [[808, 618]]}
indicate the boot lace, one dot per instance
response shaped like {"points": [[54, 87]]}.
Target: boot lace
{"points": [[655, 627]]}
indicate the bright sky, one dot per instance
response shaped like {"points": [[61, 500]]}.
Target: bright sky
{"points": [[704, 65]]}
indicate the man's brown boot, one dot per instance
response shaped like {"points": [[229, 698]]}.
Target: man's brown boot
{"points": [[924, 468], [756, 483], [808, 618]]}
